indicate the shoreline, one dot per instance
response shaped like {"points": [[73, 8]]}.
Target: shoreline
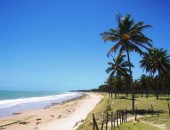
{"points": [[72, 112], [16, 106]]}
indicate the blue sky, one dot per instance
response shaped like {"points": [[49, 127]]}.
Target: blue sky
{"points": [[56, 45]]}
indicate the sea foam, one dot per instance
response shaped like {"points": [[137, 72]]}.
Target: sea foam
{"points": [[56, 98]]}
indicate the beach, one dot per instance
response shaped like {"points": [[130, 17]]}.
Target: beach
{"points": [[65, 116]]}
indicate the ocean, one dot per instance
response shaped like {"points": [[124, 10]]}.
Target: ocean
{"points": [[18, 101]]}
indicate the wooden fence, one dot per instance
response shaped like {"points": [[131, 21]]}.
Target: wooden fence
{"points": [[119, 117], [114, 119]]}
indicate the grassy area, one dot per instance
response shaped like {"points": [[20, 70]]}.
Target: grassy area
{"points": [[145, 121]]}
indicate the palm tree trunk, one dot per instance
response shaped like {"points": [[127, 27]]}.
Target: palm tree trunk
{"points": [[116, 86], [147, 93], [127, 88], [131, 80], [116, 94], [158, 84], [116, 90], [146, 89]]}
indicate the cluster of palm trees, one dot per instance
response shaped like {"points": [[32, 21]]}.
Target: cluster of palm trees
{"points": [[156, 60], [129, 36], [118, 70]]}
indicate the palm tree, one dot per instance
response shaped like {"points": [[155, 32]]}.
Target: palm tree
{"points": [[128, 37], [118, 68], [156, 60], [111, 85], [166, 83], [144, 80]]}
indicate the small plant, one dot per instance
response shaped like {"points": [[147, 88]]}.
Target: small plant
{"points": [[108, 107]]}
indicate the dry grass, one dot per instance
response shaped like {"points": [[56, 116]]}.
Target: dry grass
{"points": [[160, 119]]}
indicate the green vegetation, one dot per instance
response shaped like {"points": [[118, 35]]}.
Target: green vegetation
{"points": [[137, 126], [145, 121], [156, 60], [119, 69]]}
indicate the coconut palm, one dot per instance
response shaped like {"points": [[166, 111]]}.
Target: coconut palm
{"points": [[118, 68], [156, 60], [144, 80], [166, 83], [111, 85], [128, 37]]}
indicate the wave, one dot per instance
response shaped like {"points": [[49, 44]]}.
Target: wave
{"points": [[55, 98]]}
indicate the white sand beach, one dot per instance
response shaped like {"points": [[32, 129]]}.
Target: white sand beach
{"points": [[80, 113], [67, 116]]}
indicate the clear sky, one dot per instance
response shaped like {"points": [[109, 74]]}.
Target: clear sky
{"points": [[56, 44]]}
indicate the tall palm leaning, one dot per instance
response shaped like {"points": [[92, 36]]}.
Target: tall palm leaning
{"points": [[118, 68], [128, 37], [156, 60]]}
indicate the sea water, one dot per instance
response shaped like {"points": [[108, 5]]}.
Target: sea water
{"points": [[18, 101]]}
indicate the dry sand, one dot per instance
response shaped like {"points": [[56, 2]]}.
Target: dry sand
{"points": [[67, 116]]}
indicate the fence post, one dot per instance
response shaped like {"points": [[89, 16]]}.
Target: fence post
{"points": [[107, 120], [122, 115], [111, 119], [102, 121], [169, 108], [93, 122], [114, 120], [117, 118], [125, 115], [95, 127], [152, 109], [136, 114]]}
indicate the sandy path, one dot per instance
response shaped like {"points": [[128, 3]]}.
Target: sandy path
{"points": [[78, 115]]}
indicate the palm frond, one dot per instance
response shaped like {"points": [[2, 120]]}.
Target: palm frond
{"points": [[135, 48], [114, 48]]}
